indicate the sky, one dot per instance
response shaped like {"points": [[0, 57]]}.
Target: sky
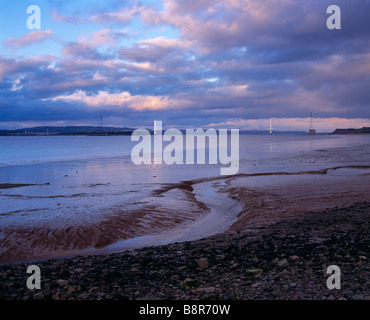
{"points": [[191, 64]]}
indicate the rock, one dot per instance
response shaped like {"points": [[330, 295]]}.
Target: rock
{"points": [[38, 296], [198, 291], [234, 266], [204, 291], [137, 293], [282, 274], [62, 283], [203, 263], [283, 263], [59, 296], [189, 283], [253, 272], [294, 258], [134, 269], [83, 296], [94, 289], [100, 295], [209, 290], [362, 258], [72, 289]]}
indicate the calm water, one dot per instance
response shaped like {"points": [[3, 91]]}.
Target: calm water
{"points": [[41, 149], [37, 149], [41, 159]]}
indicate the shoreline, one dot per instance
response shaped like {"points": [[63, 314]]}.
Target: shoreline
{"points": [[283, 260], [258, 204]]}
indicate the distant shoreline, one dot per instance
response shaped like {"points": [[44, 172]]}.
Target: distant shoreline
{"points": [[66, 134], [113, 131], [67, 131], [364, 130]]}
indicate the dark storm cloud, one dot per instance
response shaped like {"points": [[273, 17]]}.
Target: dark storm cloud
{"points": [[234, 59]]}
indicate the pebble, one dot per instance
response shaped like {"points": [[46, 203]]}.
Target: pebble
{"points": [[203, 263], [62, 283], [38, 296], [254, 272], [294, 258], [283, 263]]}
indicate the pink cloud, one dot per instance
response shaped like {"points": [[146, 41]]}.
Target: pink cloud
{"points": [[88, 44], [56, 16], [168, 43], [29, 39], [103, 37], [124, 99], [124, 16]]}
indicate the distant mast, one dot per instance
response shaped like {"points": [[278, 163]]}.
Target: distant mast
{"points": [[270, 126], [157, 128], [311, 131]]}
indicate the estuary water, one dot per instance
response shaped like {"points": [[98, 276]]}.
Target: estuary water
{"points": [[85, 180]]}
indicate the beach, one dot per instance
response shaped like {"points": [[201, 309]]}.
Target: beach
{"points": [[299, 201], [184, 150], [285, 260]]}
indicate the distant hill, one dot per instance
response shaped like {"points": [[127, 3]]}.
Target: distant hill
{"points": [[69, 130], [352, 131], [98, 131]]}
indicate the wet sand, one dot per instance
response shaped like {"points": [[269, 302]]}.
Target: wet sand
{"points": [[254, 200], [284, 260], [14, 185]]}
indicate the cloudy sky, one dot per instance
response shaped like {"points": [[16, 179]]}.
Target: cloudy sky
{"points": [[220, 63]]}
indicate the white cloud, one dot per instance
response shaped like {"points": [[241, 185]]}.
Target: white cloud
{"points": [[104, 99]]}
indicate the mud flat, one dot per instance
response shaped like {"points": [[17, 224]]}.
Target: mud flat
{"points": [[189, 211], [282, 260], [107, 205]]}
